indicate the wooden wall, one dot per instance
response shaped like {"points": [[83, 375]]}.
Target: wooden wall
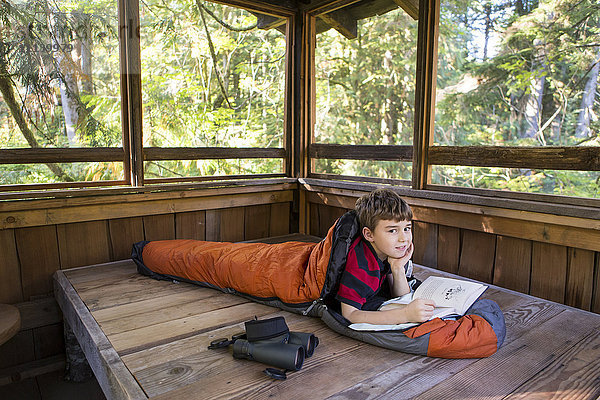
{"points": [[106, 231], [553, 267]]}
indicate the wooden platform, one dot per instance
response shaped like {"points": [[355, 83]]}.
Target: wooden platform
{"points": [[147, 338]]}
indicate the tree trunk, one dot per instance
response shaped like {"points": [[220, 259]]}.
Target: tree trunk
{"points": [[67, 73], [533, 106], [586, 113], [8, 94]]}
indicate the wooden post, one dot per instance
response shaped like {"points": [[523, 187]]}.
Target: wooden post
{"points": [[427, 43]]}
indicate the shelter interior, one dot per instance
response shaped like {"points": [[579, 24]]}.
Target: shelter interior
{"points": [[544, 245]]}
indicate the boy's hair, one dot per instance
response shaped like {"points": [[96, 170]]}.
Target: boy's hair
{"points": [[381, 204]]}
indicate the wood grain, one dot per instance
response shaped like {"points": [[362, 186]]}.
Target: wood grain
{"points": [[257, 220], [580, 278], [38, 256], [83, 243], [124, 232], [190, 225], [159, 227], [11, 290], [548, 272], [448, 248], [425, 239], [279, 219], [232, 224], [512, 268], [477, 256]]}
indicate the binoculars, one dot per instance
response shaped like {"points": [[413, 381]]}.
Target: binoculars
{"points": [[270, 342]]}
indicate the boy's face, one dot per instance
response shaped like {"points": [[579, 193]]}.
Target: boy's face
{"points": [[390, 238]]}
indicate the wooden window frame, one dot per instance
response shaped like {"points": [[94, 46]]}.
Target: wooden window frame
{"points": [[132, 153], [423, 154]]}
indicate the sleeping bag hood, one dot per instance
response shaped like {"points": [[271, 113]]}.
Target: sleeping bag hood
{"points": [[304, 278]]}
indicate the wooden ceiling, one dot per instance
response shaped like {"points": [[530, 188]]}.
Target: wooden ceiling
{"points": [[342, 17]]}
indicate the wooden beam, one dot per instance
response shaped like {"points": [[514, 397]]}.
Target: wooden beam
{"points": [[563, 158], [427, 43], [361, 152], [411, 7], [267, 22], [64, 155], [209, 153], [342, 22]]}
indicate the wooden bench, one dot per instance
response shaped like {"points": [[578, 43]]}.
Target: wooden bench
{"points": [[146, 338]]}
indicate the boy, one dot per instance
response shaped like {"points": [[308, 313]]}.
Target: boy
{"points": [[375, 269]]}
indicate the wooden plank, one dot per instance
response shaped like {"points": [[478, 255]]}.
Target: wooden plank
{"points": [[425, 239], [213, 225], [169, 299], [11, 290], [124, 232], [39, 312], [30, 370], [279, 219], [314, 220], [232, 224], [83, 243], [129, 207], [210, 153], [197, 369], [448, 248], [186, 347], [596, 293], [568, 375], [38, 254], [257, 220], [18, 350], [361, 152], [159, 227], [60, 155], [548, 271], [157, 314], [327, 217], [580, 278], [112, 375], [512, 268], [579, 158], [135, 340], [48, 340], [114, 271], [190, 225], [522, 359], [477, 256]]}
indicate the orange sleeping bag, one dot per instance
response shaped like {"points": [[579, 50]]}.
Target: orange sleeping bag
{"points": [[293, 272]]}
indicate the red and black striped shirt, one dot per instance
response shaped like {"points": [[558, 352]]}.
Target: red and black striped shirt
{"points": [[363, 276]]}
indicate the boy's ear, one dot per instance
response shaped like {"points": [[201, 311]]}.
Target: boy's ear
{"points": [[367, 234]]}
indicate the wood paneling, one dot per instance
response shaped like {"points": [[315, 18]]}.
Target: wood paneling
{"points": [[190, 225], [257, 221], [18, 350], [159, 227], [513, 263], [596, 288], [83, 243], [425, 239], [327, 217], [10, 276], [477, 255], [48, 340], [38, 256], [213, 225], [548, 271], [580, 278], [124, 232], [448, 252], [232, 224], [279, 219]]}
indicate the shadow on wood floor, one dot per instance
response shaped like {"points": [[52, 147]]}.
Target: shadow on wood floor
{"points": [[52, 386]]}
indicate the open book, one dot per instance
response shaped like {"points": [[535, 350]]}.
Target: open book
{"points": [[452, 297]]}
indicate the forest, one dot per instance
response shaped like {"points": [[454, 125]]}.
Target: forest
{"points": [[510, 73]]}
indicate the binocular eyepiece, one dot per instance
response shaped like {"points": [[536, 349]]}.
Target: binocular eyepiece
{"points": [[270, 342]]}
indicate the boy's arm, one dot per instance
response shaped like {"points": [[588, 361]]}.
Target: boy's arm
{"points": [[398, 283], [417, 311]]}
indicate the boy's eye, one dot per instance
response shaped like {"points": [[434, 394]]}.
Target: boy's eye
{"points": [[393, 230]]}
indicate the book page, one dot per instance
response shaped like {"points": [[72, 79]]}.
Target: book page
{"points": [[448, 292]]}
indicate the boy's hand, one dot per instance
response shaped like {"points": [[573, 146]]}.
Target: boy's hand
{"points": [[398, 264], [419, 310]]}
